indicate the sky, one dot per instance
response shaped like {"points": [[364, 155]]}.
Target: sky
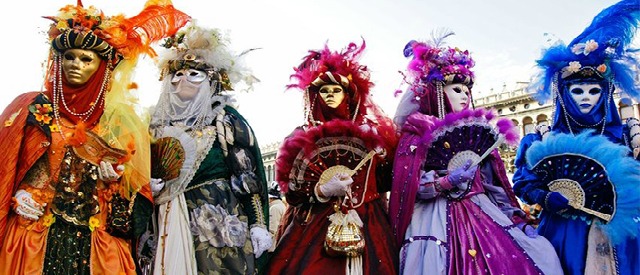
{"points": [[504, 37]]}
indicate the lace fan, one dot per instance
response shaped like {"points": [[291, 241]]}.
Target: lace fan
{"points": [[316, 155], [466, 135]]}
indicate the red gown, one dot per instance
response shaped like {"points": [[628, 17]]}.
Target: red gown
{"points": [[300, 248]]}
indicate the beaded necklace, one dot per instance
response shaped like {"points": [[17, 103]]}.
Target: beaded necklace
{"points": [[58, 96]]}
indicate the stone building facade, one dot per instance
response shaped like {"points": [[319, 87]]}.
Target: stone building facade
{"points": [[269, 152]]}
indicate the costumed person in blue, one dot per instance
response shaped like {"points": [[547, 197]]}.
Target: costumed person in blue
{"points": [[452, 207], [207, 174], [582, 172]]}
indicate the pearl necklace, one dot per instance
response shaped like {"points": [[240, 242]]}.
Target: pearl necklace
{"points": [[58, 95]]}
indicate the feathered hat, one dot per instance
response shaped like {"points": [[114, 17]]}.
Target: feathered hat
{"points": [[321, 67], [205, 49], [600, 52], [432, 62], [114, 37], [433, 65]]}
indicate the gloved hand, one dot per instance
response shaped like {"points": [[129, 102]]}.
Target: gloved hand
{"points": [[106, 172], [156, 186], [461, 176], [261, 240], [527, 229], [555, 202], [336, 186], [27, 207]]}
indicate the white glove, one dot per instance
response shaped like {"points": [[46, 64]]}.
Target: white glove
{"points": [[261, 240], [106, 172], [336, 186], [27, 207], [156, 186]]}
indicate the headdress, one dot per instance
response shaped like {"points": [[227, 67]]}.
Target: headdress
{"points": [[114, 37], [330, 67], [599, 54], [433, 66], [205, 49]]}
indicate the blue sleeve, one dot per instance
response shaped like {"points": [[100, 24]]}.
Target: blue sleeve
{"points": [[526, 185]]}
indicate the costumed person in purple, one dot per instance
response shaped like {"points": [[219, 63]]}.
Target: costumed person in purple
{"points": [[334, 171], [452, 208], [582, 173], [207, 173], [76, 156]]}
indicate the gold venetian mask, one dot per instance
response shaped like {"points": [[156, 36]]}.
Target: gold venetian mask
{"points": [[79, 65]]}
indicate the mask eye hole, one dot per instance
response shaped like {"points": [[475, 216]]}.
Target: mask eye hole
{"points": [[457, 90], [577, 91], [333, 91], [595, 91]]}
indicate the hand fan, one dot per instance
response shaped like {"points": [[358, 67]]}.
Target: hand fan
{"points": [[95, 149], [466, 135], [167, 157], [597, 176], [314, 156]]}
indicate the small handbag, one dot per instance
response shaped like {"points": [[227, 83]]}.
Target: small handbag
{"points": [[344, 235]]}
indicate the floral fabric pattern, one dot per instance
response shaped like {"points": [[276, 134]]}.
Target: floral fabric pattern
{"points": [[215, 225]]}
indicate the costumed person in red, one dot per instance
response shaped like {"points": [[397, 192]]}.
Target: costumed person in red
{"points": [[451, 207], [75, 165], [207, 174], [334, 172], [581, 170]]}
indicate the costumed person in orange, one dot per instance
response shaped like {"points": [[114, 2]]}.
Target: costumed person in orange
{"points": [[207, 173], [581, 170], [452, 207], [75, 174], [334, 171]]}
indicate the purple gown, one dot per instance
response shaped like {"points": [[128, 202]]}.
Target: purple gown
{"points": [[474, 235]]}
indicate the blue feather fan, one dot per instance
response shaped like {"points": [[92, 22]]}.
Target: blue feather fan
{"points": [[606, 173]]}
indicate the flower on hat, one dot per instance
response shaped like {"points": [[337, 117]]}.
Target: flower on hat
{"points": [[585, 48]]}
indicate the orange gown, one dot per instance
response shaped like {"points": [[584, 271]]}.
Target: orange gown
{"points": [[23, 242]]}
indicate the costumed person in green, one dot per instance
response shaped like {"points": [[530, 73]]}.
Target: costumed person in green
{"points": [[75, 161], [581, 171], [207, 172]]}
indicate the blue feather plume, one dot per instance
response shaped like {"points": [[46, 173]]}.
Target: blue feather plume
{"points": [[622, 170]]}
